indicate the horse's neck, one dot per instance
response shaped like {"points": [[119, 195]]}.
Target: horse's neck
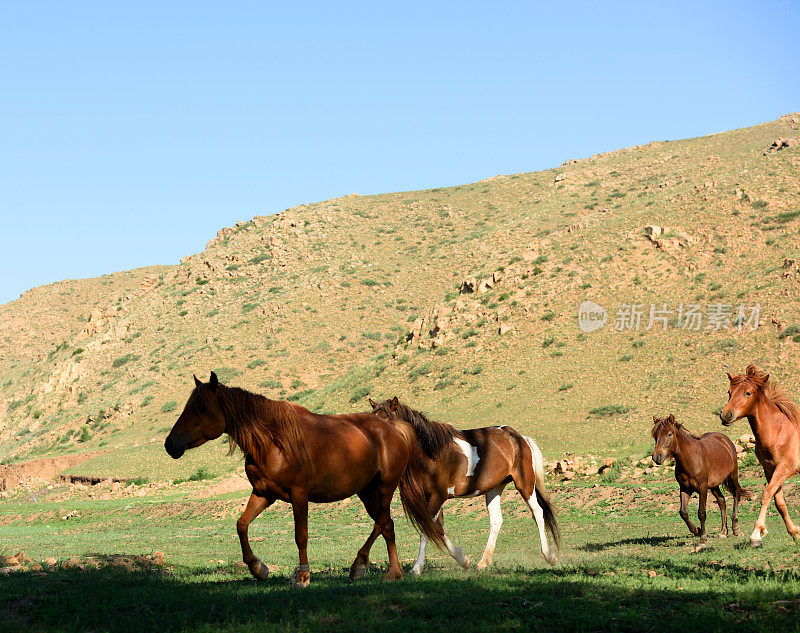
{"points": [[762, 419], [685, 444]]}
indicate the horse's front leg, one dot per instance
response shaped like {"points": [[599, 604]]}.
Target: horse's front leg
{"points": [[495, 522], [360, 564], [779, 475], [255, 506], [301, 576], [684, 511]]}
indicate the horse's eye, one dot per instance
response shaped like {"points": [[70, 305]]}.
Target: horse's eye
{"points": [[747, 393], [669, 434]]}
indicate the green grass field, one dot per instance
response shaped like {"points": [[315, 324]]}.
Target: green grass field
{"points": [[626, 563]]}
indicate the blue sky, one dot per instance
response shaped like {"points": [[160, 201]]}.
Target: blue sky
{"points": [[131, 132]]}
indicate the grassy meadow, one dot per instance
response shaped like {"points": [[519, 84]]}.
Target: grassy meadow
{"points": [[626, 563]]}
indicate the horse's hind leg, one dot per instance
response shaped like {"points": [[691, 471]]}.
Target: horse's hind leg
{"points": [[736, 491], [495, 522], [722, 509], [701, 514], [780, 503], [360, 564], [377, 501], [255, 506]]}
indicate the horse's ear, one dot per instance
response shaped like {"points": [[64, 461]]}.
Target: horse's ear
{"points": [[394, 404], [655, 418], [671, 419], [730, 378], [197, 383], [752, 370], [372, 403], [214, 381]]}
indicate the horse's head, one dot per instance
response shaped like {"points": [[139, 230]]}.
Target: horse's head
{"points": [[743, 394], [664, 432], [202, 419], [386, 409]]}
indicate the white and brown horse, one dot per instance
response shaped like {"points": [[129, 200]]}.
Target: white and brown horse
{"points": [[468, 463]]}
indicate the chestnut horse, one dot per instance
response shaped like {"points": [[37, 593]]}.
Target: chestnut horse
{"points": [[297, 456], [775, 421], [468, 463], [701, 464]]}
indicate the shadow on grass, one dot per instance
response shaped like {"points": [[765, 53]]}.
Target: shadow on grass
{"points": [[639, 540], [559, 599]]}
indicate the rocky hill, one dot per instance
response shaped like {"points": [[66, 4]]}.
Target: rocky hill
{"points": [[463, 301]]}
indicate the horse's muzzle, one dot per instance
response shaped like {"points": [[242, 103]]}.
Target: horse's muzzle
{"points": [[726, 417], [174, 451], [658, 459]]}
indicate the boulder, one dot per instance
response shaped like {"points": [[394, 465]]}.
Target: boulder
{"points": [[781, 143], [485, 286], [468, 286]]}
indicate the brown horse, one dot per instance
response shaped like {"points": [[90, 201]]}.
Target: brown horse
{"points": [[701, 464], [471, 462], [775, 421], [297, 456]]}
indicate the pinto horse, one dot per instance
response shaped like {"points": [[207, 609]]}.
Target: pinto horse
{"points": [[775, 421], [297, 456], [467, 463], [701, 464]]}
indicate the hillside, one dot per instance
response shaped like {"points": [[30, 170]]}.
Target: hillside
{"points": [[462, 301]]}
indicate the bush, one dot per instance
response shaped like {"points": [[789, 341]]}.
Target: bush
{"points": [[119, 362], [609, 410], [169, 406], [199, 475], [358, 394], [226, 374]]}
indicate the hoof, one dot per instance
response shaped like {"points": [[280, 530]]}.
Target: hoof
{"points": [[703, 545], [482, 564], [465, 562], [737, 532], [357, 571], [755, 542], [300, 579], [392, 576], [259, 570], [552, 559], [417, 571], [723, 535]]}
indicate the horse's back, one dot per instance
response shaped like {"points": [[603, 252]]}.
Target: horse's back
{"points": [[353, 448]]}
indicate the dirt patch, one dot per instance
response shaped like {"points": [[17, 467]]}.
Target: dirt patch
{"points": [[234, 483], [37, 470]]}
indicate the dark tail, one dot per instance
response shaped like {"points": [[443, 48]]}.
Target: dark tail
{"points": [[412, 491], [550, 522], [736, 490]]}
